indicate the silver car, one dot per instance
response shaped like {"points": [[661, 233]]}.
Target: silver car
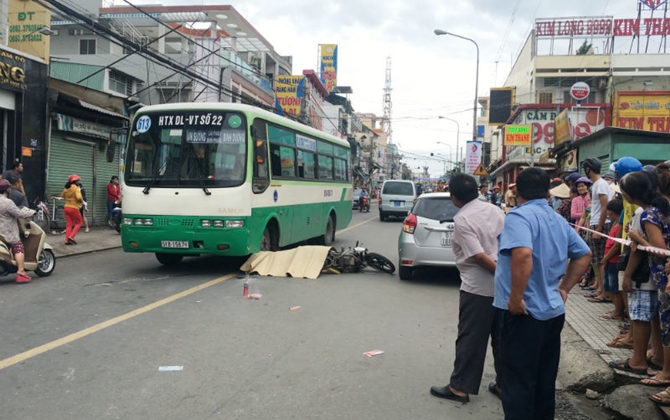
{"points": [[425, 238]]}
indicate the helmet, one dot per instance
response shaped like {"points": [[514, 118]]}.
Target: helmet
{"points": [[572, 177], [626, 165], [608, 175], [4, 185], [73, 178], [593, 164], [584, 180]]}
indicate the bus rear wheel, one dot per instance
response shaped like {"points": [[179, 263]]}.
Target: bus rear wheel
{"points": [[169, 259], [329, 236]]}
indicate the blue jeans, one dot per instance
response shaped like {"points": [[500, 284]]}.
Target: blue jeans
{"points": [[110, 207]]}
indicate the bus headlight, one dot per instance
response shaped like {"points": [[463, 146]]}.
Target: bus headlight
{"points": [[218, 223], [205, 223], [148, 222], [138, 222], [127, 221], [234, 224]]}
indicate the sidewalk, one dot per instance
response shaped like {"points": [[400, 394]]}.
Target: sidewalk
{"points": [[98, 239], [584, 318]]}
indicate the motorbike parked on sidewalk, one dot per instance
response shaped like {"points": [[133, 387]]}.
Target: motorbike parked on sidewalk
{"points": [[364, 205], [353, 260], [39, 255], [117, 217]]}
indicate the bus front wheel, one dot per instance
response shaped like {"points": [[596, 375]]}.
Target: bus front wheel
{"points": [[169, 259], [270, 241]]}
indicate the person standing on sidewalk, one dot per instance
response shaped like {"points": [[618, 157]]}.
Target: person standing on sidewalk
{"points": [[535, 245], [475, 245], [16, 170], [73, 203], [113, 198]]}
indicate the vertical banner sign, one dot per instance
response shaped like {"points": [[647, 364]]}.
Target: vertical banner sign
{"points": [[289, 94], [473, 156], [562, 128], [329, 66]]}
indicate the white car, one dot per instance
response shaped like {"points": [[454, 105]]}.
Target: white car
{"points": [[425, 238]]}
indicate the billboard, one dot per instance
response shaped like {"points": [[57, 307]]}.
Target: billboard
{"points": [[329, 66], [289, 95], [25, 19], [501, 101], [578, 122], [641, 110]]}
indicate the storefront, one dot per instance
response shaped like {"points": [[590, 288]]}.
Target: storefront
{"points": [[23, 116], [85, 140]]}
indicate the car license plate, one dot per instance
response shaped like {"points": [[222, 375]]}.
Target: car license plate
{"points": [[446, 238], [175, 244], [396, 203]]}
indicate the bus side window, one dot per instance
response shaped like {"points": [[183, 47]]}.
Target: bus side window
{"points": [[261, 180]]}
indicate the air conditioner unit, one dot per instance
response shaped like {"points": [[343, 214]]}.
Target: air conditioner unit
{"points": [[76, 32]]}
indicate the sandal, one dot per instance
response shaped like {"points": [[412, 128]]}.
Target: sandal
{"points": [[626, 367], [655, 382], [616, 344], [599, 300], [662, 398], [653, 365], [610, 317]]}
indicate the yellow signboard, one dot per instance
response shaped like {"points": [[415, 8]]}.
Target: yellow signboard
{"points": [[562, 128], [329, 66], [517, 135], [26, 22], [289, 94], [642, 110]]}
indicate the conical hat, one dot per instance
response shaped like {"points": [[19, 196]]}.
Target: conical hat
{"points": [[562, 191]]}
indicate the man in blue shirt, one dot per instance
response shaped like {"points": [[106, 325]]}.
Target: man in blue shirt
{"points": [[534, 247]]}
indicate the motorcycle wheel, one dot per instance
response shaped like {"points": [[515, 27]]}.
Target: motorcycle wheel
{"points": [[46, 263], [380, 263]]}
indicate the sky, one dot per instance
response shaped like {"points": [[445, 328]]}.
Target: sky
{"points": [[431, 76]]}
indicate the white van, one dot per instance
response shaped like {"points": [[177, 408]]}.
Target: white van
{"points": [[396, 198]]}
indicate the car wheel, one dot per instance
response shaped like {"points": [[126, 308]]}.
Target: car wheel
{"points": [[405, 273], [382, 216]]}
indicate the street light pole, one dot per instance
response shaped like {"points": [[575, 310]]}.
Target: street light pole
{"points": [[439, 32], [458, 136]]}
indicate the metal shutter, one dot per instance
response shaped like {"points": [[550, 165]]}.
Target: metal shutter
{"points": [[103, 173]]}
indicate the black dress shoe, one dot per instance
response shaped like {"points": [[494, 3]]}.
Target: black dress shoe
{"points": [[494, 389], [445, 392]]}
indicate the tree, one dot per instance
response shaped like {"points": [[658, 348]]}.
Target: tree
{"points": [[585, 48]]}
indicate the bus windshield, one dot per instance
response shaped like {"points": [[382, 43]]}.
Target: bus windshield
{"points": [[187, 149]]}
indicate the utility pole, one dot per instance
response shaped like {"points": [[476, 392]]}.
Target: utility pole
{"points": [[388, 105]]}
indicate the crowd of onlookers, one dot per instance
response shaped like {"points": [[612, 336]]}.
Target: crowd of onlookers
{"points": [[631, 202]]}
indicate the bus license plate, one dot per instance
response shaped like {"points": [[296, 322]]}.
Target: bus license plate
{"points": [[174, 244], [446, 238]]}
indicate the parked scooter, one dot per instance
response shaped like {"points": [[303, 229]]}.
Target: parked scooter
{"points": [[364, 204], [117, 217], [39, 256], [354, 260]]}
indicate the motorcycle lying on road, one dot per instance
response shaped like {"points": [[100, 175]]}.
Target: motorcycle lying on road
{"points": [[364, 205], [353, 260], [39, 256]]}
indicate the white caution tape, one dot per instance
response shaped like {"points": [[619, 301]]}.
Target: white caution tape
{"points": [[628, 242]]}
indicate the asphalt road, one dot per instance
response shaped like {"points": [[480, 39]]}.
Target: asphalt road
{"points": [[89, 342]]}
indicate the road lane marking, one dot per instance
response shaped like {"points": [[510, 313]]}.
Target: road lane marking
{"points": [[10, 361], [355, 226]]}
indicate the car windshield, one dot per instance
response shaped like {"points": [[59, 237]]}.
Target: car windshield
{"points": [[436, 208], [187, 149], [398, 188]]}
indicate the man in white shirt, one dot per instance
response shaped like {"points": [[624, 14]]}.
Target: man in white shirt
{"points": [[601, 194], [475, 245]]}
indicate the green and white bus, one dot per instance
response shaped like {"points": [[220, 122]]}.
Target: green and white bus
{"points": [[231, 180]]}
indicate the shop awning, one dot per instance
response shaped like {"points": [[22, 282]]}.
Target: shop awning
{"points": [[101, 110]]}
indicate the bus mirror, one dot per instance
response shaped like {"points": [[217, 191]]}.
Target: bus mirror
{"points": [[260, 151]]}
